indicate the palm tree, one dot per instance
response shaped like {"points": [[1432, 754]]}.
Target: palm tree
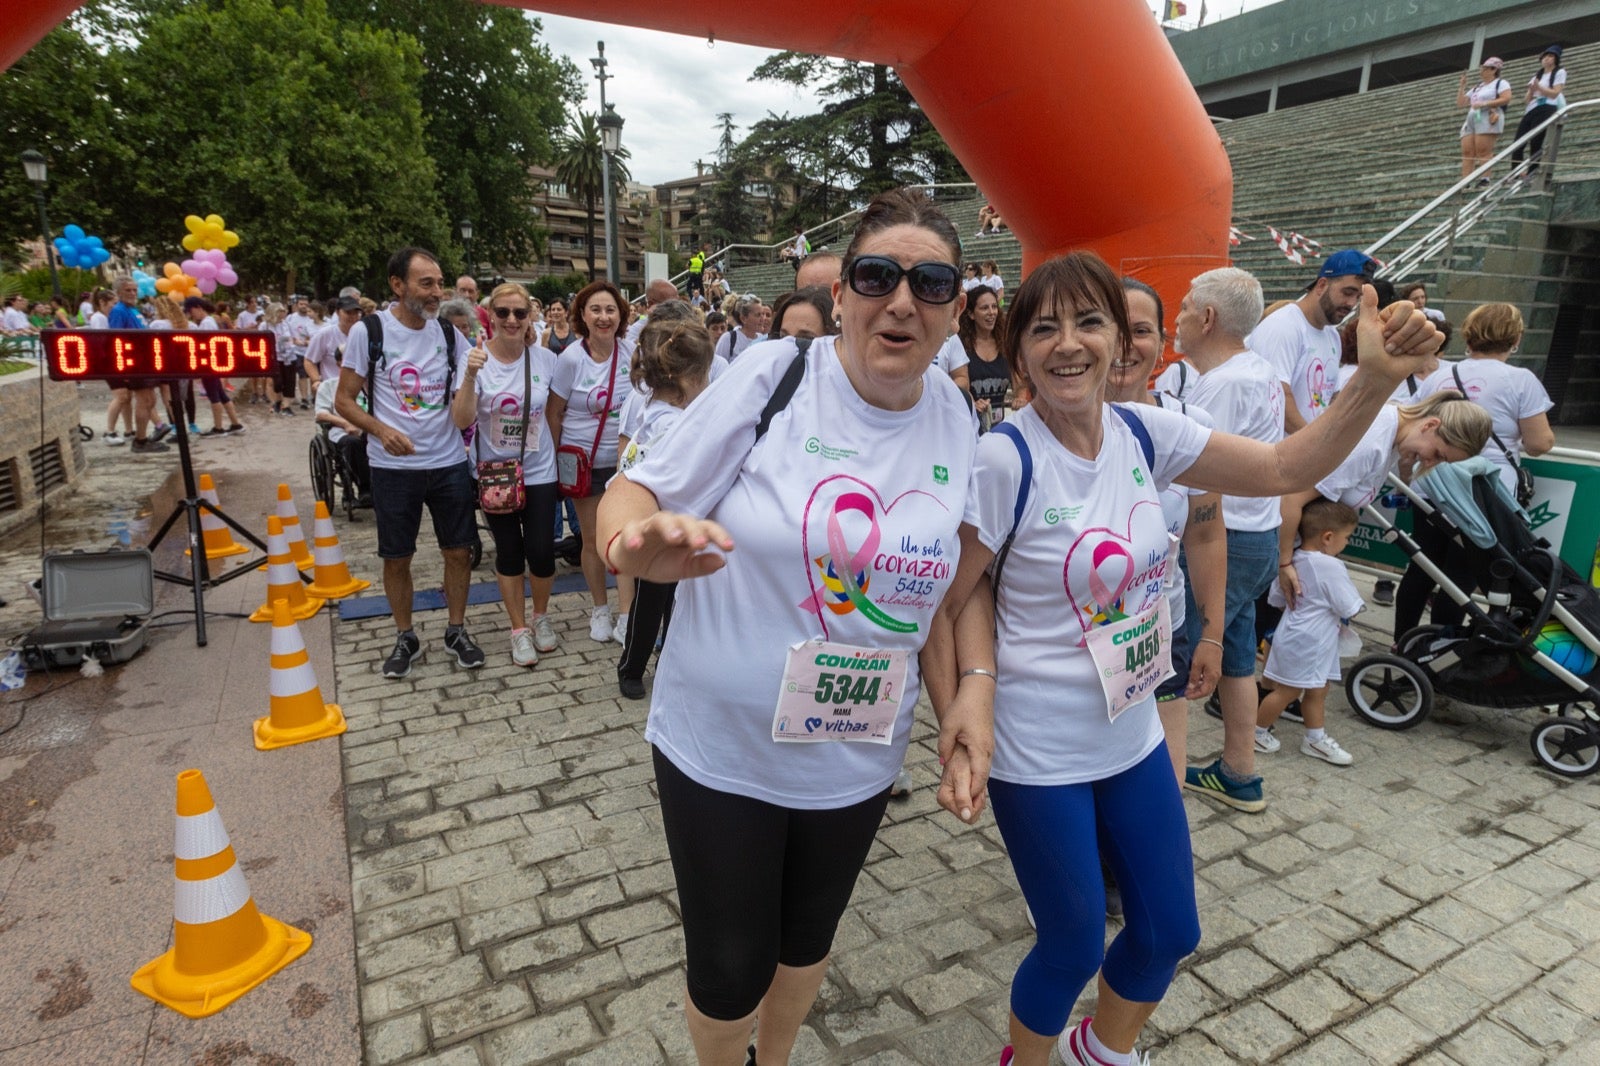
{"points": [[579, 167]]}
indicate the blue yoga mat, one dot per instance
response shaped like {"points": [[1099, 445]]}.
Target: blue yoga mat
{"points": [[359, 607]]}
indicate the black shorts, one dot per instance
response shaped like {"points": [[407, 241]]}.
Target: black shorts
{"points": [[398, 496], [598, 476]]}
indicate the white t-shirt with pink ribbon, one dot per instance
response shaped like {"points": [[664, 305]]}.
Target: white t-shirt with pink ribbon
{"points": [[583, 384], [1305, 357], [499, 387], [845, 518], [1091, 550]]}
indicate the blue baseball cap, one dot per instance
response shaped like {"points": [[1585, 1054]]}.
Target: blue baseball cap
{"points": [[1348, 262]]}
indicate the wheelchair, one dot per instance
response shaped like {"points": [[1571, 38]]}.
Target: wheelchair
{"points": [[330, 473]]}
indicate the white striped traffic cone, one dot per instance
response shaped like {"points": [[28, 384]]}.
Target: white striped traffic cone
{"points": [[283, 580], [214, 532], [222, 947], [291, 528], [332, 576], [297, 713]]}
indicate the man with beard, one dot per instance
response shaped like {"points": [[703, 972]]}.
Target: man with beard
{"points": [[1301, 340], [413, 446]]}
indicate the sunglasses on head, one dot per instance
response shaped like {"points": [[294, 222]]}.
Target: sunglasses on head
{"points": [[506, 312], [878, 275]]}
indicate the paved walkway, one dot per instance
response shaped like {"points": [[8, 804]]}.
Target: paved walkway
{"points": [[508, 898], [1434, 903]]}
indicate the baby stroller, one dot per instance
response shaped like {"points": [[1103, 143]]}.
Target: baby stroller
{"points": [[1534, 645]]}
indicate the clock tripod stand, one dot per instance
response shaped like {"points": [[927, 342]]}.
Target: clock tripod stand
{"points": [[199, 577]]}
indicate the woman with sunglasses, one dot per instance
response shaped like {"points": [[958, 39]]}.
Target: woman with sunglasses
{"points": [[503, 387], [813, 546], [558, 330], [591, 385], [1083, 641]]}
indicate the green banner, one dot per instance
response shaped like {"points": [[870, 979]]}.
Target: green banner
{"points": [[1565, 511]]}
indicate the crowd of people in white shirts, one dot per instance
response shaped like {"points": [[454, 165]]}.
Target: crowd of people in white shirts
{"points": [[895, 478]]}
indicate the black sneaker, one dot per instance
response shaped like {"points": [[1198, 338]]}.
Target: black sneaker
{"points": [[1383, 593], [157, 432], [237, 427], [140, 447], [631, 687], [466, 652], [1291, 713], [407, 650]]}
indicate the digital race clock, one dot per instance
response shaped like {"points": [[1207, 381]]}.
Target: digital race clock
{"points": [[92, 354]]}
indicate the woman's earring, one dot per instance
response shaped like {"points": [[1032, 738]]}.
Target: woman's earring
{"points": [[1514, 348]]}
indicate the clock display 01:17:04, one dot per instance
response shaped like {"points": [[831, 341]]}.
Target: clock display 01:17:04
{"points": [[82, 355]]}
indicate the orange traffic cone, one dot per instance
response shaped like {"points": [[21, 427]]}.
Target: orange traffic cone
{"points": [[283, 580], [215, 535], [297, 711], [333, 580], [291, 528], [222, 947]]}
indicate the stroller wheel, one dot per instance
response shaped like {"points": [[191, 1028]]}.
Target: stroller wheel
{"points": [[1388, 691], [1567, 746]]}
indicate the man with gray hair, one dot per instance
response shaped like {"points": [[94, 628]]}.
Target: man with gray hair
{"points": [[1241, 392], [818, 268], [656, 293]]}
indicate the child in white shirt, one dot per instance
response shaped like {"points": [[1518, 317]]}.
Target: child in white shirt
{"points": [[1305, 650]]}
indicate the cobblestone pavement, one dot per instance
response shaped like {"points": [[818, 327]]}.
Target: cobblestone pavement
{"points": [[1434, 903]]}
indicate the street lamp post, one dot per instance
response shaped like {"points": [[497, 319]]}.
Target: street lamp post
{"points": [[610, 142], [466, 241], [38, 172]]}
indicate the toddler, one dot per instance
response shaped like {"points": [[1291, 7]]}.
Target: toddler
{"points": [[1305, 651]]}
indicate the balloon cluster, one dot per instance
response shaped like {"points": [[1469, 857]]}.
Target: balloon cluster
{"points": [[210, 268], [209, 232], [176, 283], [146, 283], [78, 249]]}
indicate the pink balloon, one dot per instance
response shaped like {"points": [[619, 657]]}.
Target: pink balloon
{"points": [[191, 267], [226, 276], [206, 285]]}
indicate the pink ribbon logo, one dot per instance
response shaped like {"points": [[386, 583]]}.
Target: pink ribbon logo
{"points": [[1100, 568], [846, 574]]}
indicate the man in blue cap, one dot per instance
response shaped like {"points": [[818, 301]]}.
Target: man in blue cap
{"points": [[1301, 340]]}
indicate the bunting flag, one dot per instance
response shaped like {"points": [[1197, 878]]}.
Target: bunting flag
{"points": [[1174, 9], [1235, 235], [1294, 246]]}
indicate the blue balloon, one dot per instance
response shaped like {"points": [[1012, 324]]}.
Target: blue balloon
{"points": [[78, 249]]}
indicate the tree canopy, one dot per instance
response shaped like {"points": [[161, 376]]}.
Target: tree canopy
{"points": [[326, 132]]}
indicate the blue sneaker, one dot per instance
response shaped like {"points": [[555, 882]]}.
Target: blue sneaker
{"points": [[1209, 781]]}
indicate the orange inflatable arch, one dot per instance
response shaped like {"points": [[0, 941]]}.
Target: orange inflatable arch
{"points": [[1073, 116]]}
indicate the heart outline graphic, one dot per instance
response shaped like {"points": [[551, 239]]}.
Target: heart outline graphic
{"points": [[1101, 542]]}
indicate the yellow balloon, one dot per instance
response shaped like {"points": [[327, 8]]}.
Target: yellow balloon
{"points": [[193, 222], [191, 243], [214, 220], [229, 238]]}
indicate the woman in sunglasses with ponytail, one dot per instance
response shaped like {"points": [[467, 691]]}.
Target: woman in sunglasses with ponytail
{"points": [[502, 386], [808, 504]]}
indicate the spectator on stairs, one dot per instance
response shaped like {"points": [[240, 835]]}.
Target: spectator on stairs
{"points": [[1485, 104]]}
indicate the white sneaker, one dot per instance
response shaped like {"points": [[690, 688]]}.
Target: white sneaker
{"points": [[544, 634], [600, 625], [1074, 1050], [115, 439], [620, 633], [1266, 742], [1328, 750], [523, 652]]}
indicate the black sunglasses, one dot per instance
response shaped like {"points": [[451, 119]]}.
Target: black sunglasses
{"points": [[506, 312], [878, 276]]}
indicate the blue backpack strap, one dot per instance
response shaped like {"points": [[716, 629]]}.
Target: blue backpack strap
{"points": [[1007, 429], [1140, 434]]}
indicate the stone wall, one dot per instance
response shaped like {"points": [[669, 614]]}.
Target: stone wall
{"points": [[60, 457]]}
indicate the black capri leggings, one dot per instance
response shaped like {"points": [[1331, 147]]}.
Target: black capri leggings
{"points": [[284, 380], [758, 885], [525, 542]]}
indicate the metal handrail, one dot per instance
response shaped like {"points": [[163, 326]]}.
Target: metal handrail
{"points": [[1487, 198], [722, 253]]}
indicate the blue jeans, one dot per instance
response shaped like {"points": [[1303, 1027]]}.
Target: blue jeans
{"points": [[1252, 565], [1056, 836], [572, 516]]}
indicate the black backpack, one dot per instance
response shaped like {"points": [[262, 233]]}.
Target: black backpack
{"points": [[375, 356]]}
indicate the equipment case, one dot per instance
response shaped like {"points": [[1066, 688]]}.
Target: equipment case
{"points": [[95, 603]]}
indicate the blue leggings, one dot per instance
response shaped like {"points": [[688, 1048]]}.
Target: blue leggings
{"points": [[1056, 835]]}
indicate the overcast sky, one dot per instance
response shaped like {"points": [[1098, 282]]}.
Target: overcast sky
{"points": [[668, 88]]}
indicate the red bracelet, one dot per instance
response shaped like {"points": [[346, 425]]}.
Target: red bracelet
{"points": [[605, 556]]}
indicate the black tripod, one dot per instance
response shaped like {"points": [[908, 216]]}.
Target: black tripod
{"points": [[199, 578]]}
